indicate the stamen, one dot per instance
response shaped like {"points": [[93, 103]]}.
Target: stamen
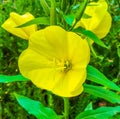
{"points": [[62, 65], [58, 65], [67, 66]]}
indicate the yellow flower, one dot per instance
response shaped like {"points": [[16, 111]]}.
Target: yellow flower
{"points": [[56, 60], [15, 20], [99, 21]]}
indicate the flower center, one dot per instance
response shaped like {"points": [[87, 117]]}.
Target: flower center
{"points": [[67, 66]]}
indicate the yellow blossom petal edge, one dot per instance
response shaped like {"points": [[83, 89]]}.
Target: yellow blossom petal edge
{"points": [[100, 19], [16, 20], [56, 60], [104, 26]]}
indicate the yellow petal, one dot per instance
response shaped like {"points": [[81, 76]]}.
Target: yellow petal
{"points": [[104, 26], [42, 74], [96, 11], [37, 68], [15, 20], [55, 42], [99, 16], [50, 42], [77, 47], [70, 84], [43, 62]]}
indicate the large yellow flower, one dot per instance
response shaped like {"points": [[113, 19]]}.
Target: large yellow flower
{"points": [[15, 20], [99, 21], [56, 60]]}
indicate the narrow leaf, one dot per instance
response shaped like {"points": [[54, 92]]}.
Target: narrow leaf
{"points": [[86, 16], [69, 19], [89, 107], [96, 76], [100, 113], [102, 93], [39, 20], [90, 35], [45, 7], [81, 10], [36, 108], [75, 7], [118, 50], [8, 79]]}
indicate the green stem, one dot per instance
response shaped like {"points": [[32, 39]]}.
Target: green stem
{"points": [[63, 5], [118, 53], [67, 7], [53, 20], [118, 76], [50, 99], [81, 10], [45, 7], [118, 2], [79, 13], [66, 108], [92, 49], [0, 111], [74, 2], [73, 26]]}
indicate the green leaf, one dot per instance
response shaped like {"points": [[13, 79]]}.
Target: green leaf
{"points": [[117, 116], [96, 76], [39, 20], [90, 35], [100, 113], [86, 16], [75, 7], [102, 93], [36, 108], [8, 79], [89, 107], [69, 19]]}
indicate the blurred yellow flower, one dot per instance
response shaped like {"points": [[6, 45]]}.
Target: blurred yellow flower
{"points": [[16, 20], [56, 60], [99, 21]]}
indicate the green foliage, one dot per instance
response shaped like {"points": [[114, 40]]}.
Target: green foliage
{"points": [[36, 108], [45, 7], [96, 76], [69, 19], [39, 20], [108, 62], [81, 9], [89, 107], [90, 35], [8, 79], [100, 113], [102, 93], [118, 50]]}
